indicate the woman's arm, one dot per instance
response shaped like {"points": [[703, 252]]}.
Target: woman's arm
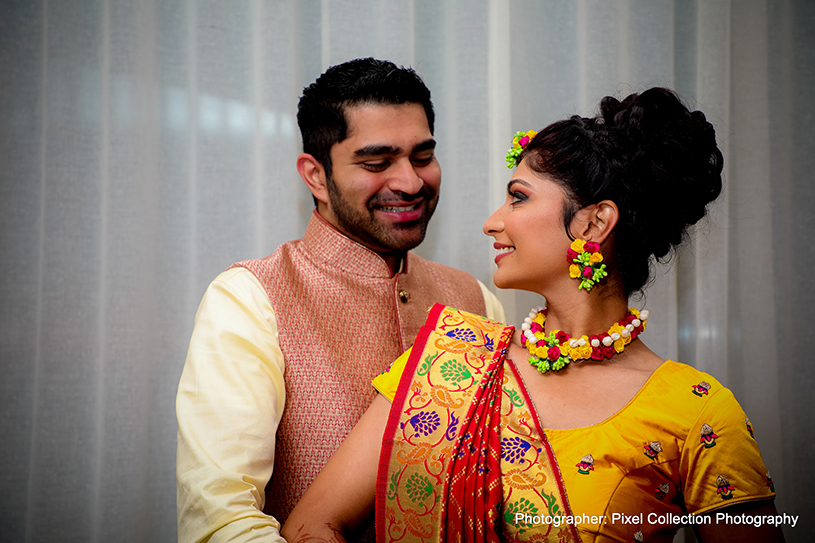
{"points": [[342, 495], [730, 532]]}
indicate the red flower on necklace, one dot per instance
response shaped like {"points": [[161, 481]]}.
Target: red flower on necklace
{"points": [[558, 349]]}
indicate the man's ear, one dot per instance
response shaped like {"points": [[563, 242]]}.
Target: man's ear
{"points": [[313, 174], [596, 221]]}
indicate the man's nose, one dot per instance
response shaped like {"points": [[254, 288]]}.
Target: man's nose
{"points": [[404, 178]]}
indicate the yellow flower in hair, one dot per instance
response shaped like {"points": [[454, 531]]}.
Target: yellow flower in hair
{"points": [[577, 245], [519, 142], [595, 258], [574, 271]]}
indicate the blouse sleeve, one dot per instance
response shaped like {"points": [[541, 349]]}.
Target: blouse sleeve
{"points": [[721, 463], [388, 381]]}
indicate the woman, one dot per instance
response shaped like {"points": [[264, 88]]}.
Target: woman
{"points": [[570, 428]]}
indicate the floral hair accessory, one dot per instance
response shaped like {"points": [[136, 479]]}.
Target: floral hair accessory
{"points": [[555, 351], [585, 260], [519, 143]]}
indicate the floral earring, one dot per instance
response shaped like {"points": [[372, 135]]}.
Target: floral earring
{"points": [[585, 263]]}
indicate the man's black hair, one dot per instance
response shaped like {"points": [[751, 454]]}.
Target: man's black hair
{"points": [[321, 111]]}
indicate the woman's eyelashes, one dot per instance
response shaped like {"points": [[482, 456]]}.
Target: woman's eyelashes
{"points": [[517, 197]]}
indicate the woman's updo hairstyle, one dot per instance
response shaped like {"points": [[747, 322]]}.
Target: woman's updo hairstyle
{"points": [[650, 155]]}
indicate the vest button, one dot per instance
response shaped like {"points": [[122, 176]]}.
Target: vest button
{"points": [[403, 295]]}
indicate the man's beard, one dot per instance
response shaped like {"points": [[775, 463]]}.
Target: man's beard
{"points": [[367, 229]]}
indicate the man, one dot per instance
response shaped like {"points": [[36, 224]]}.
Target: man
{"points": [[309, 326]]}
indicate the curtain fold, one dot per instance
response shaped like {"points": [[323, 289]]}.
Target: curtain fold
{"points": [[145, 145]]}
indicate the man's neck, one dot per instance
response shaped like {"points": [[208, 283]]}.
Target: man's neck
{"points": [[395, 261]]}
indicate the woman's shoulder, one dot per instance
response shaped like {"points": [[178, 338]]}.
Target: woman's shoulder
{"points": [[682, 380], [685, 395], [720, 458]]}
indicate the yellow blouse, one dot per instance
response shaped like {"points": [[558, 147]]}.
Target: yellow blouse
{"points": [[681, 445]]}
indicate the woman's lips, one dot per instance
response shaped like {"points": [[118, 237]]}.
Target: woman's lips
{"points": [[503, 250]]}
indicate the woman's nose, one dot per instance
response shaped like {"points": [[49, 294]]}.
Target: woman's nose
{"points": [[495, 223]]}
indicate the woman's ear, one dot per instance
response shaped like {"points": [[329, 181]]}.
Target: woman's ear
{"points": [[596, 221], [313, 174]]}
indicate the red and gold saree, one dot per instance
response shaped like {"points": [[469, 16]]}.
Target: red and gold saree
{"points": [[461, 458]]}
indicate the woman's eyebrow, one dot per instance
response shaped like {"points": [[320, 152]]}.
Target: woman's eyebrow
{"points": [[518, 181]]}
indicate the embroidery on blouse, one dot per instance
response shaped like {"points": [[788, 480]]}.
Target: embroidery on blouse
{"points": [[701, 389], [653, 449], [708, 436], [586, 465], [723, 487]]}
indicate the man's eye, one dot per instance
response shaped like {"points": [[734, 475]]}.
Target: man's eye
{"points": [[422, 161], [375, 166]]}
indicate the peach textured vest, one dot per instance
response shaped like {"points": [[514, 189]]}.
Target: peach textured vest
{"points": [[342, 320]]}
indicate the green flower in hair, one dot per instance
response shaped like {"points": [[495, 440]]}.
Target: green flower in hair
{"points": [[519, 143]]}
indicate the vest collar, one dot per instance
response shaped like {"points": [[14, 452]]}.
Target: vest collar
{"points": [[333, 248]]}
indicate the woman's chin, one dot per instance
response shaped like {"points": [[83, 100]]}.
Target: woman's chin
{"points": [[507, 282], [502, 281]]}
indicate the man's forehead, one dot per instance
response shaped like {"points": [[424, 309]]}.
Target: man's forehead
{"points": [[370, 117]]}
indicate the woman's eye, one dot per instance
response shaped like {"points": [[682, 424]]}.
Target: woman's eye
{"points": [[517, 197]]}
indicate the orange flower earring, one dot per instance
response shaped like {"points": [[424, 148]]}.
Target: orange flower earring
{"points": [[585, 263]]}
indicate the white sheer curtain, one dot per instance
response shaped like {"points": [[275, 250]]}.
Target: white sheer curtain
{"points": [[145, 145]]}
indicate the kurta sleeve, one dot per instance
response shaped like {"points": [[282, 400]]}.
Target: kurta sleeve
{"points": [[230, 400], [721, 463]]}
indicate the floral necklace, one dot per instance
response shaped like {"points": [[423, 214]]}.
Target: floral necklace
{"points": [[558, 349]]}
